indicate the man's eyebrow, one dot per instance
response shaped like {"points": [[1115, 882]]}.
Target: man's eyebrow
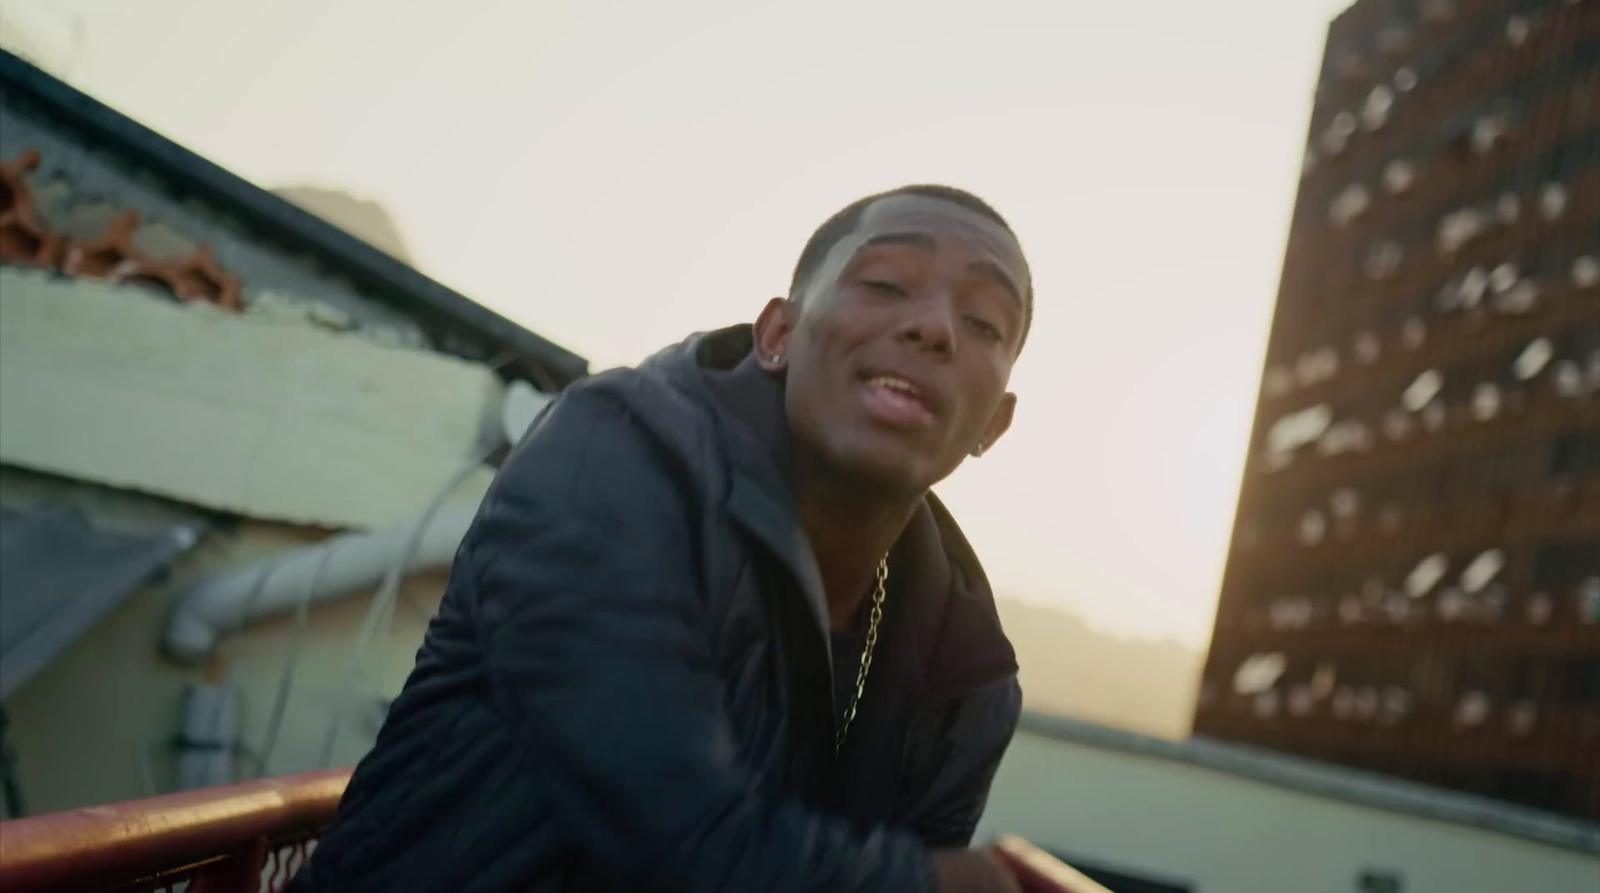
{"points": [[994, 271]]}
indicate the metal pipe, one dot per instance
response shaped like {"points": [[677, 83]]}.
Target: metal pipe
{"points": [[340, 566]]}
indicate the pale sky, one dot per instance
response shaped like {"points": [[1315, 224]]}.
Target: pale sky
{"points": [[616, 175]]}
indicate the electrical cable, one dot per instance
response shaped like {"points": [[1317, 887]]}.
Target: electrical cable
{"points": [[280, 703], [260, 584], [388, 591], [146, 767]]}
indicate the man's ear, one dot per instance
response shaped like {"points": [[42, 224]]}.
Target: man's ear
{"points": [[774, 327], [999, 424]]}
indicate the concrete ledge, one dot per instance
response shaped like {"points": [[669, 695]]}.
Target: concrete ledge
{"points": [[1332, 781]]}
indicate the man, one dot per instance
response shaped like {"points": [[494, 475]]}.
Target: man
{"points": [[627, 683]]}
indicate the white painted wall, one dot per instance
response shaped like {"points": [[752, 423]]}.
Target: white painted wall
{"points": [[1231, 835], [256, 414]]}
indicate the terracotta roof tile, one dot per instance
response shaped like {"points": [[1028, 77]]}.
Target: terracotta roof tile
{"points": [[22, 240], [111, 255]]}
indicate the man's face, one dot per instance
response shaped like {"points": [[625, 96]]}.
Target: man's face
{"points": [[900, 350]]}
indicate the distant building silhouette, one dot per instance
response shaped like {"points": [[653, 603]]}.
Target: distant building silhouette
{"points": [[1414, 579], [365, 219]]}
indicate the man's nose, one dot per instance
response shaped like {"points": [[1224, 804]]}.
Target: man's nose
{"points": [[930, 324]]}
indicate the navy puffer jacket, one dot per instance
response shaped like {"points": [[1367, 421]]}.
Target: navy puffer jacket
{"points": [[627, 685]]}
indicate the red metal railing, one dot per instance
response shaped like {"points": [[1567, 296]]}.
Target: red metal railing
{"points": [[1039, 872], [252, 837], [242, 838]]}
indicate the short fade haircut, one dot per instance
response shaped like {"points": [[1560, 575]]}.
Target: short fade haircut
{"points": [[845, 221]]}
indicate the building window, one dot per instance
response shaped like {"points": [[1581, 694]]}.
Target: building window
{"points": [[1427, 574], [1552, 200], [1259, 673], [1502, 277], [1422, 390], [1313, 528], [1367, 348], [1489, 131], [1533, 359], [1317, 366], [1472, 710], [1586, 271], [1414, 333], [1397, 424], [1398, 175], [1345, 502], [1485, 401], [1473, 287], [1292, 613], [1482, 570], [1508, 208], [1460, 227], [1524, 715], [1337, 136], [1297, 429], [1343, 437], [1396, 704], [1349, 204], [1519, 298], [1433, 416], [1453, 605], [1375, 111], [1574, 380], [1541, 607], [1589, 600], [1517, 30]]}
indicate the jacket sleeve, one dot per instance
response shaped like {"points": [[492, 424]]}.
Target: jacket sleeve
{"points": [[979, 729], [598, 649]]}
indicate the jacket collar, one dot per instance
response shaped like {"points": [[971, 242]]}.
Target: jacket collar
{"points": [[953, 636]]}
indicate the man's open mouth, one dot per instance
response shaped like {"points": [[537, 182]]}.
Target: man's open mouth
{"points": [[896, 400]]}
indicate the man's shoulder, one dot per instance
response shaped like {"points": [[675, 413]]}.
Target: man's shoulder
{"points": [[649, 403], [621, 434]]}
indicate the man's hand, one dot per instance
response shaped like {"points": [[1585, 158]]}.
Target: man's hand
{"points": [[971, 871]]}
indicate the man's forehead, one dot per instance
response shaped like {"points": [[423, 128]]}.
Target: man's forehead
{"points": [[913, 213]]}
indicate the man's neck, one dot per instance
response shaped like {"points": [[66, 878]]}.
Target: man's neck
{"points": [[850, 530]]}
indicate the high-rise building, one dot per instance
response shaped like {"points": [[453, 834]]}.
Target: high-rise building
{"points": [[1413, 585]]}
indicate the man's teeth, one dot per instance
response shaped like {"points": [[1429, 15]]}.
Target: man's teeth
{"points": [[894, 384]]}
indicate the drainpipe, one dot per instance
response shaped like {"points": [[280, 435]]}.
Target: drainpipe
{"points": [[209, 738], [339, 566], [10, 787], [346, 564]]}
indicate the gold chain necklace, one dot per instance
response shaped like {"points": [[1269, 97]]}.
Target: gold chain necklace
{"points": [[866, 652]]}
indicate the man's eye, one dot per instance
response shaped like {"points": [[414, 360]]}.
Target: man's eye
{"points": [[985, 328], [883, 286]]}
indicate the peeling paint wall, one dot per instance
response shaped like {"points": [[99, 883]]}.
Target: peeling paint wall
{"points": [[78, 192], [260, 414], [319, 404]]}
